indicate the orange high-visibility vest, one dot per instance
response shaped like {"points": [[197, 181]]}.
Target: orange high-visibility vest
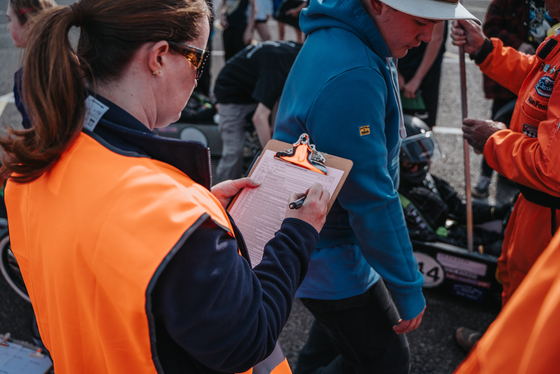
{"points": [[91, 237]]}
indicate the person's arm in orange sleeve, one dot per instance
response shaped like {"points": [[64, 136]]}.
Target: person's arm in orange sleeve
{"points": [[507, 66], [533, 162], [529, 161]]}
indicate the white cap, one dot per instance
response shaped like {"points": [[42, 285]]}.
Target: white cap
{"points": [[432, 9]]}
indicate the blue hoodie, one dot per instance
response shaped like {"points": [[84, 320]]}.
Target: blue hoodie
{"points": [[343, 91]]}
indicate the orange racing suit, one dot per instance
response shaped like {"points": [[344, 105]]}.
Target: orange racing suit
{"points": [[527, 153]]}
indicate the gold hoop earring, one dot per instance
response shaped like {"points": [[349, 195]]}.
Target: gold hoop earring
{"points": [[156, 72]]}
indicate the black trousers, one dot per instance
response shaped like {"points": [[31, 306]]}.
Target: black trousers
{"points": [[354, 335], [233, 41]]}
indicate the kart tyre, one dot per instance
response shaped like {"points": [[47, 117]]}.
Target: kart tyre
{"points": [[10, 269]]}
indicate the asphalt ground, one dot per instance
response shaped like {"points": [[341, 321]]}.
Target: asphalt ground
{"points": [[432, 346]]}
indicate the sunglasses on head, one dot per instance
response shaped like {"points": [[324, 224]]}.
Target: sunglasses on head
{"points": [[196, 56]]}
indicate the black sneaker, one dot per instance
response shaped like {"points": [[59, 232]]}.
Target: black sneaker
{"points": [[481, 189], [467, 338]]}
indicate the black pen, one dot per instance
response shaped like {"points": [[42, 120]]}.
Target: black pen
{"points": [[298, 203]]}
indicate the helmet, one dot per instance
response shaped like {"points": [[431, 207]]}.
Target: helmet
{"points": [[418, 149]]}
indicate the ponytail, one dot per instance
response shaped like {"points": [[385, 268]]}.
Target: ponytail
{"points": [[55, 76]]}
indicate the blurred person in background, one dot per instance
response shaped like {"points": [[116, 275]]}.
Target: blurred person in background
{"points": [[237, 18], [20, 14], [264, 12], [420, 73], [291, 15], [247, 92]]}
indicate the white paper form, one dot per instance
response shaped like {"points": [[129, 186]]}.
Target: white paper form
{"points": [[259, 212]]}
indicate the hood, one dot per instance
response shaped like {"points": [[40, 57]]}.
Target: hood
{"points": [[349, 15]]}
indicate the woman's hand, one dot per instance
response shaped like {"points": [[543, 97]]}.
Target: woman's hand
{"points": [[225, 190], [314, 208]]}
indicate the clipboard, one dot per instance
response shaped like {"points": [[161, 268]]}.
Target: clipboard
{"points": [[259, 212], [339, 163]]}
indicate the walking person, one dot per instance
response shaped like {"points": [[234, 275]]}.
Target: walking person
{"points": [[420, 74], [237, 18], [247, 91], [343, 91]]}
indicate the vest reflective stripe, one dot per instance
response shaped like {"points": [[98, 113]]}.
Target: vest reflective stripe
{"points": [[90, 237]]}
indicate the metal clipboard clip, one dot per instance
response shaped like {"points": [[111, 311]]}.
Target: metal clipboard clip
{"points": [[304, 154]]}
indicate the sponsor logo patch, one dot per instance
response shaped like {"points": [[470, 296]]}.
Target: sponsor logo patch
{"points": [[530, 130], [535, 103], [364, 130], [544, 86]]}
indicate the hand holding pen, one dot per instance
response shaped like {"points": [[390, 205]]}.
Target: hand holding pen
{"points": [[310, 207], [298, 203]]}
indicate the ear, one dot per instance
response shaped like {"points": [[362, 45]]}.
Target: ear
{"points": [[157, 55], [27, 26], [376, 6]]}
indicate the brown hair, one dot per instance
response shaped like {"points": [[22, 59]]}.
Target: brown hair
{"points": [[55, 76], [25, 9]]}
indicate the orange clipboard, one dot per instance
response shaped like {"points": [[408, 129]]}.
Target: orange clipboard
{"points": [[339, 163], [259, 213]]}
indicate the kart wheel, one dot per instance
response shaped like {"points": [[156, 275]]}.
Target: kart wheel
{"points": [[10, 268], [191, 133]]}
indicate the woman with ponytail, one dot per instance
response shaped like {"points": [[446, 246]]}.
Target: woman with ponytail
{"points": [[130, 260]]}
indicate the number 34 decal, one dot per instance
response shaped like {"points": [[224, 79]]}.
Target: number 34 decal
{"points": [[430, 269]]}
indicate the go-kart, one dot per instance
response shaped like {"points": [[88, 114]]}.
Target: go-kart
{"points": [[8, 264], [199, 122], [469, 275], [449, 268], [456, 271]]}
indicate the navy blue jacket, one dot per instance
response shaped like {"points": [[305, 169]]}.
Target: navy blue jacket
{"points": [[207, 282]]}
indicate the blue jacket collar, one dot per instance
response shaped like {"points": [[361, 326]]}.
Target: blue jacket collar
{"points": [[122, 133]]}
